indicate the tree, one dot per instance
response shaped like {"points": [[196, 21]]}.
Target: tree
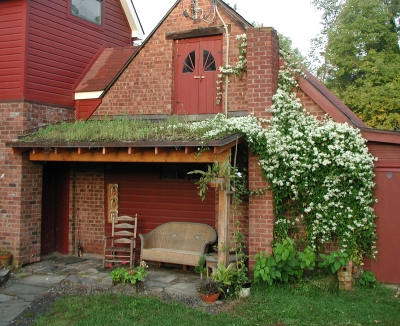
{"points": [[361, 57], [285, 44]]}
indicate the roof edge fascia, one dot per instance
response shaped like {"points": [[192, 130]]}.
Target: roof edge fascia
{"points": [[88, 95], [133, 19]]}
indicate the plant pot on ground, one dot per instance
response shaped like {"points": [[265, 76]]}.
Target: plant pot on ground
{"points": [[5, 258], [209, 290]]}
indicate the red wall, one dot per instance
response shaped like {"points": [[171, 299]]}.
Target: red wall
{"points": [[55, 47], [12, 32]]}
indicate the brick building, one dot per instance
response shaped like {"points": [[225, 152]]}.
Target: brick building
{"points": [[55, 197]]}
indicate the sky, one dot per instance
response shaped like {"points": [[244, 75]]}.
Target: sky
{"points": [[295, 19]]}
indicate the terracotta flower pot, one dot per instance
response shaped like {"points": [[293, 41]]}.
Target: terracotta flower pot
{"points": [[210, 298], [5, 261], [217, 183]]}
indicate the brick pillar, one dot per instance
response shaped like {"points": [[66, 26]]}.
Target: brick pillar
{"points": [[261, 214], [345, 277], [262, 69], [262, 83], [21, 180]]}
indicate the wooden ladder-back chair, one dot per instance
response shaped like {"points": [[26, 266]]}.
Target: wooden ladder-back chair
{"points": [[116, 249]]}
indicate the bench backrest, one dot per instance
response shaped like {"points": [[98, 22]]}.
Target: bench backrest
{"points": [[181, 236]]}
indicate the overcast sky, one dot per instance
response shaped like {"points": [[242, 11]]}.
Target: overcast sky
{"points": [[296, 19]]}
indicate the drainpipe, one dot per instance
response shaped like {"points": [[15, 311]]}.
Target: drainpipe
{"points": [[227, 59]]}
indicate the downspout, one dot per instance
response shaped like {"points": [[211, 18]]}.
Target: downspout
{"points": [[227, 59]]}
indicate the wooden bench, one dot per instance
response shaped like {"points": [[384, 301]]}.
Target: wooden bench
{"points": [[177, 243]]}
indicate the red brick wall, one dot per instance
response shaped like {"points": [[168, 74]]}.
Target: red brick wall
{"points": [[87, 208], [21, 180], [262, 69], [146, 86], [310, 105]]}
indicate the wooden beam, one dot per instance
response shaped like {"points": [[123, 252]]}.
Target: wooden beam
{"points": [[108, 150], [159, 150], [197, 32], [220, 149], [144, 155], [37, 150], [19, 150], [190, 149], [223, 225], [82, 150], [132, 150], [58, 150]]}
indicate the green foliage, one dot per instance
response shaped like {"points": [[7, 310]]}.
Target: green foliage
{"points": [[334, 261], [285, 265], [321, 176], [218, 170], [4, 252], [201, 266], [361, 58], [209, 286], [132, 276], [224, 275], [367, 279], [306, 303]]}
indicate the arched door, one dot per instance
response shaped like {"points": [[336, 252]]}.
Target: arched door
{"points": [[197, 63]]}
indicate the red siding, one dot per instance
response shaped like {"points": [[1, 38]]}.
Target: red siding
{"points": [[156, 201], [11, 49], [59, 48], [387, 179]]}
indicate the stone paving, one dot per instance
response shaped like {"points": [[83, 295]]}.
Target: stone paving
{"points": [[35, 279]]}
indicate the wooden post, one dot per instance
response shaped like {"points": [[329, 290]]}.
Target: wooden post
{"points": [[223, 224]]}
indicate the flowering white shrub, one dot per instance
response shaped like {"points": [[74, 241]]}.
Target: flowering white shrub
{"points": [[320, 172], [237, 70]]}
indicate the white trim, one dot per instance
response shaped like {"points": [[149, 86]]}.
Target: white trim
{"points": [[133, 19], [87, 95]]}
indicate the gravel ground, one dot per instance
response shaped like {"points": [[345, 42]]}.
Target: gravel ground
{"points": [[43, 304]]}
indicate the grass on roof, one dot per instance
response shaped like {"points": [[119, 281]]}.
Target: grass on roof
{"points": [[121, 130]]}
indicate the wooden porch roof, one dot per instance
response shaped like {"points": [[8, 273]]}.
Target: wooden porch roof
{"points": [[138, 151]]}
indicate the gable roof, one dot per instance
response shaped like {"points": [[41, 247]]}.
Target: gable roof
{"points": [[96, 83], [332, 105], [328, 101], [103, 71]]}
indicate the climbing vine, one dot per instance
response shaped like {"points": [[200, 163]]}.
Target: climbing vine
{"points": [[320, 173], [237, 70]]}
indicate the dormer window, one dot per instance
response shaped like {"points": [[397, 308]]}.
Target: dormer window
{"points": [[90, 10]]}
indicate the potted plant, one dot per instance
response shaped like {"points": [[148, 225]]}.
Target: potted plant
{"points": [[225, 277], [215, 176], [5, 258], [136, 275], [209, 290]]}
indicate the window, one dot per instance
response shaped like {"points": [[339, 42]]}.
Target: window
{"points": [[190, 63], [90, 10], [208, 61]]}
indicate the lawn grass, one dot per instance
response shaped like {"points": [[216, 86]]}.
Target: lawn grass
{"points": [[304, 304]]}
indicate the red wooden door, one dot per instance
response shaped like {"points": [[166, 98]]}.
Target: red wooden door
{"points": [[197, 63]]}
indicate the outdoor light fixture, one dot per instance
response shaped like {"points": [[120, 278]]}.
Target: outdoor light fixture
{"points": [[198, 13]]}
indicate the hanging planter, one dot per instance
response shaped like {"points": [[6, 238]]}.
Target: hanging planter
{"points": [[216, 176], [218, 183]]}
